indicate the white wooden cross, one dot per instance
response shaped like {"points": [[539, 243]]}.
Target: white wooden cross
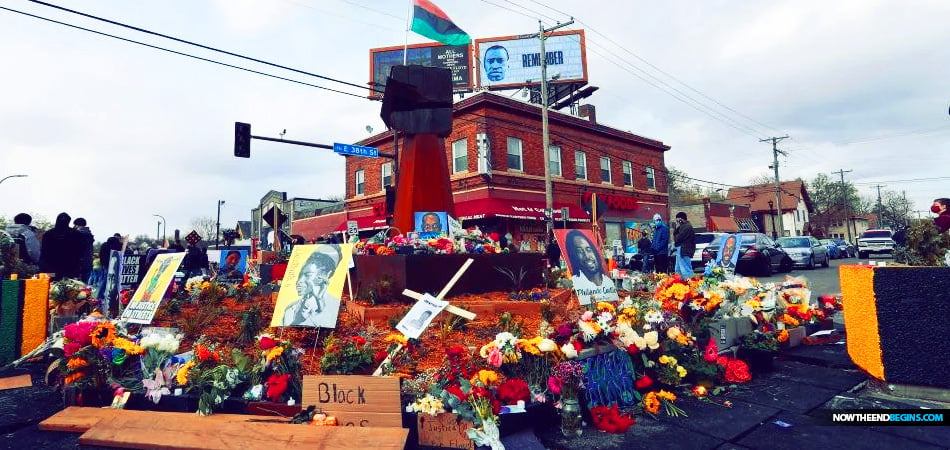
{"points": [[452, 309]]}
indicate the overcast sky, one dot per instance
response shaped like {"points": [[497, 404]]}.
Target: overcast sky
{"points": [[116, 132]]}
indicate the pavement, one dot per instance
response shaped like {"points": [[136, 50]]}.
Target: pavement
{"points": [[777, 410]]}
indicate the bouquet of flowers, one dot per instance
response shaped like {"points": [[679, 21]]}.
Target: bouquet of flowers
{"points": [[208, 376], [567, 379], [347, 355], [159, 344], [96, 354], [280, 362]]}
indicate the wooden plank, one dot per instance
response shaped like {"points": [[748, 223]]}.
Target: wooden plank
{"points": [[366, 400], [79, 419], [15, 382], [188, 431], [444, 430]]}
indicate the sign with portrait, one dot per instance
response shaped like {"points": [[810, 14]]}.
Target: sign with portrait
{"points": [[431, 224], [313, 283], [728, 252], [114, 274], [232, 264], [456, 58], [586, 266], [420, 316], [151, 290], [514, 62]]}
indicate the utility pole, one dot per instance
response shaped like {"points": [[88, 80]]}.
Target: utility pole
{"points": [[880, 206], [778, 184], [545, 138], [844, 202]]}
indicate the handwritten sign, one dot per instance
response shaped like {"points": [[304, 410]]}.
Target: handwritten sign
{"points": [[608, 379], [445, 430], [355, 400]]}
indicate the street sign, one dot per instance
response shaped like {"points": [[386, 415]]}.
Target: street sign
{"points": [[355, 150], [352, 228]]}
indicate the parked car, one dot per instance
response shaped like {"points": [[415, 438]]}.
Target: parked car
{"points": [[847, 249], [877, 242], [806, 251], [702, 240], [832, 247], [758, 255]]}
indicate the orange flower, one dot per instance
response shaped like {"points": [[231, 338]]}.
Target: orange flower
{"points": [[75, 363], [130, 347], [782, 335], [73, 377], [103, 334], [666, 395], [182, 375], [651, 404], [274, 353]]}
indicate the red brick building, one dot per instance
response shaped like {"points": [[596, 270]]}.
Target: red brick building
{"points": [[496, 168]]}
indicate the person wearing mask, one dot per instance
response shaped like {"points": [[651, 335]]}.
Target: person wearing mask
{"points": [[684, 239], [86, 240], [661, 245], [941, 207], [644, 250], [20, 230], [61, 250]]}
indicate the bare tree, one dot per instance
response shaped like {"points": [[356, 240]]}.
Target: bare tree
{"points": [[205, 227]]}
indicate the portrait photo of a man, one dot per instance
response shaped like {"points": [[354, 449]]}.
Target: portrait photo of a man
{"points": [[728, 253], [431, 224], [232, 265], [495, 62], [315, 304], [586, 264]]}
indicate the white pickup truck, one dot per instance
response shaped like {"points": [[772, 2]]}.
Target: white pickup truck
{"points": [[876, 241]]}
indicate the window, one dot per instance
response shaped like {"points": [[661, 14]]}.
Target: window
{"points": [[580, 165], [554, 157], [387, 174], [651, 179], [460, 156], [627, 173], [605, 169], [360, 182], [515, 154]]}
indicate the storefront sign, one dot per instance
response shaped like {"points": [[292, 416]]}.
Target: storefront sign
{"points": [[621, 202]]}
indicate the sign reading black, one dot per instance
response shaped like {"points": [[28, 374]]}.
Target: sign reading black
{"points": [[130, 270], [453, 57]]}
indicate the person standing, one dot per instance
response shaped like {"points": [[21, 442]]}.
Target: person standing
{"points": [[941, 207], [661, 245], [21, 229], [684, 239], [86, 240], [644, 248], [60, 250]]}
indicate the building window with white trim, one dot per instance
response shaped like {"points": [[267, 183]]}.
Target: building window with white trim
{"points": [[627, 173], [460, 156], [386, 174], [360, 179], [515, 155], [651, 178], [605, 169], [580, 165], [554, 157]]}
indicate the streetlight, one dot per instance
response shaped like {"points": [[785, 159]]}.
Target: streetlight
{"points": [[772, 217], [218, 226], [163, 227], [12, 176]]}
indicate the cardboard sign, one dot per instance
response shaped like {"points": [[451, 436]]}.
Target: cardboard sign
{"points": [[355, 400], [445, 430], [148, 296]]}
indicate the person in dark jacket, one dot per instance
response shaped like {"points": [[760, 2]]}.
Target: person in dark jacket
{"points": [[684, 239], [661, 245], [553, 252], [61, 250], [86, 239]]}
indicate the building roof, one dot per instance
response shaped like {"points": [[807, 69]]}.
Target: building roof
{"points": [[244, 228], [759, 196]]}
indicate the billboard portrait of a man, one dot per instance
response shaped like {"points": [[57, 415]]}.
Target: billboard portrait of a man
{"points": [[495, 61]]}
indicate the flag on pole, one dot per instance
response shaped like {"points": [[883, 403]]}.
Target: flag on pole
{"points": [[431, 22]]}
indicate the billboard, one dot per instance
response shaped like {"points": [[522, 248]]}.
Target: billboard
{"points": [[515, 61], [456, 58]]}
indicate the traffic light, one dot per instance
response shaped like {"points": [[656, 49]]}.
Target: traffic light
{"points": [[242, 140]]}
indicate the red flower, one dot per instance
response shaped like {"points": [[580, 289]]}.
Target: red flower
{"points": [[712, 351], [455, 352], [722, 361], [643, 382], [380, 356], [554, 384], [358, 340], [578, 346], [267, 343], [513, 390], [737, 371], [455, 390], [632, 349], [610, 419], [202, 352], [71, 347], [276, 386]]}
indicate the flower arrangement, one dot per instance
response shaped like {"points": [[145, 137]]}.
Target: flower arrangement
{"points": [[159, 345], [567, 379], [427, 405], [654, 400], [611, 420], [96, 354], [207, 376], [504, 349], [280, 369], [350, 355], [759, 340]]}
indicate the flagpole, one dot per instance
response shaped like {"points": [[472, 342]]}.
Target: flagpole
{"points": [[405, 46]]}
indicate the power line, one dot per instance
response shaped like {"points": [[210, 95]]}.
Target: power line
{"points": [[142, 30], [182, 53], [912, 180]]}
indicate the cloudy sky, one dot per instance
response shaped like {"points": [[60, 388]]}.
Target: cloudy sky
{"points": [[116, 132]]}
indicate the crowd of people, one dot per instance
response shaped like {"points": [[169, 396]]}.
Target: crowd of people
{"points": [[66, 250]]}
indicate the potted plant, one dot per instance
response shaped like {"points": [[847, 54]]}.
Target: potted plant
{"points": [[758, 349]]}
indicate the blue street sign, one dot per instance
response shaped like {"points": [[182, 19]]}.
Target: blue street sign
{"points": [[355, 150]]}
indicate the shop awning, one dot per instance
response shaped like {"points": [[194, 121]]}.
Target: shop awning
{"points": [[724, 224], [314, 227], [366, 223], [515, 209]]}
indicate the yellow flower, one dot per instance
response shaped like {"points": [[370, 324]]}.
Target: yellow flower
{"points": [[666, 395], [182, 375], [274, 352], [530, 345], [103, 334], [664, 359], [627, 315], [398, 338], [682, 339], [130, 347], [487, 378], [606, 306], [681, 371]]}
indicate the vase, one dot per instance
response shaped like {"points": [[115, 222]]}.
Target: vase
{"points": [[571, 417]]}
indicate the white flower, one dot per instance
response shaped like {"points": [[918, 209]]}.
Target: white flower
{"points": [[505, 338], [653, 316], [547, 345], [569, 350], [587, 329]]}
